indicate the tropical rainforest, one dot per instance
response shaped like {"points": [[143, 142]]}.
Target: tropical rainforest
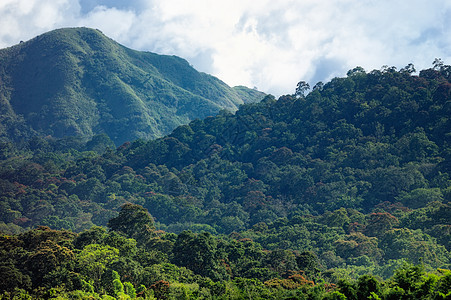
{"points": [[338, 192]]}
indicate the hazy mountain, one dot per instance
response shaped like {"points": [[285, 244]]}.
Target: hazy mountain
{"points": [[77, 81]]}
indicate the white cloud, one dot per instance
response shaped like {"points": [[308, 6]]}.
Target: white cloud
{"points": [[268, 44], [24, 19], [112, 21]]}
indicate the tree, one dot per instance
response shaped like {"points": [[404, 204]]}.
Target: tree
{"points": [[94, 235], [282, 261], [134, 221], [94, 259], [368, 286], [420, 197], [197, 252], [407, 278], [301, 88], [49, 256], [308, 262], [409, 69], [318, 86], [356, 71], [357, 244], [414, 246], [12, 277], [379, 223], [438, 64], [337, 218]]}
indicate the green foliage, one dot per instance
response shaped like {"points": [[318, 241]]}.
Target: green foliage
{"points": [[94, 259], [134, 221], [100, 272], [198, 252], [308, 262], [347, 182]]}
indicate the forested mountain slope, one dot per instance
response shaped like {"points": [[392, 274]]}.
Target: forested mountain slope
{"points": [[78, 82], [356, 172]]}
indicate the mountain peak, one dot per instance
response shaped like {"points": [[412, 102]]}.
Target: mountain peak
{"points": [[77, 81]]}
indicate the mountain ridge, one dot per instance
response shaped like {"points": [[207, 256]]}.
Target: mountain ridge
{"points": [[78, 82]]}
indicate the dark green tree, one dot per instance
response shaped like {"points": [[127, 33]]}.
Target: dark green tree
{"points": [[308, 262], [134, 221], [367, 287], [198, 252], [301, 88]]}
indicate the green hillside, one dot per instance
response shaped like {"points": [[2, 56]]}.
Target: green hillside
{"points": [[358, 172], [78, 82]]}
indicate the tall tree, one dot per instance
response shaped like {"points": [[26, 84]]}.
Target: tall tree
{"points": [[135, 222], [198, 253], [301, 88]]}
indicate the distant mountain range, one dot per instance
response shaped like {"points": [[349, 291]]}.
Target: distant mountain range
{"points": [[78, 82]]}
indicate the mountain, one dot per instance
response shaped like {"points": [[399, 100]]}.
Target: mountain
{"points": [[78, 82]]}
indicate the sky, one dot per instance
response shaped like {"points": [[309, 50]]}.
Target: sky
{"points": [[267, 44]]}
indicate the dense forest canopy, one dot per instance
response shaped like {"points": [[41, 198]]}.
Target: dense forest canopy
{"points": [[301, 197]]}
